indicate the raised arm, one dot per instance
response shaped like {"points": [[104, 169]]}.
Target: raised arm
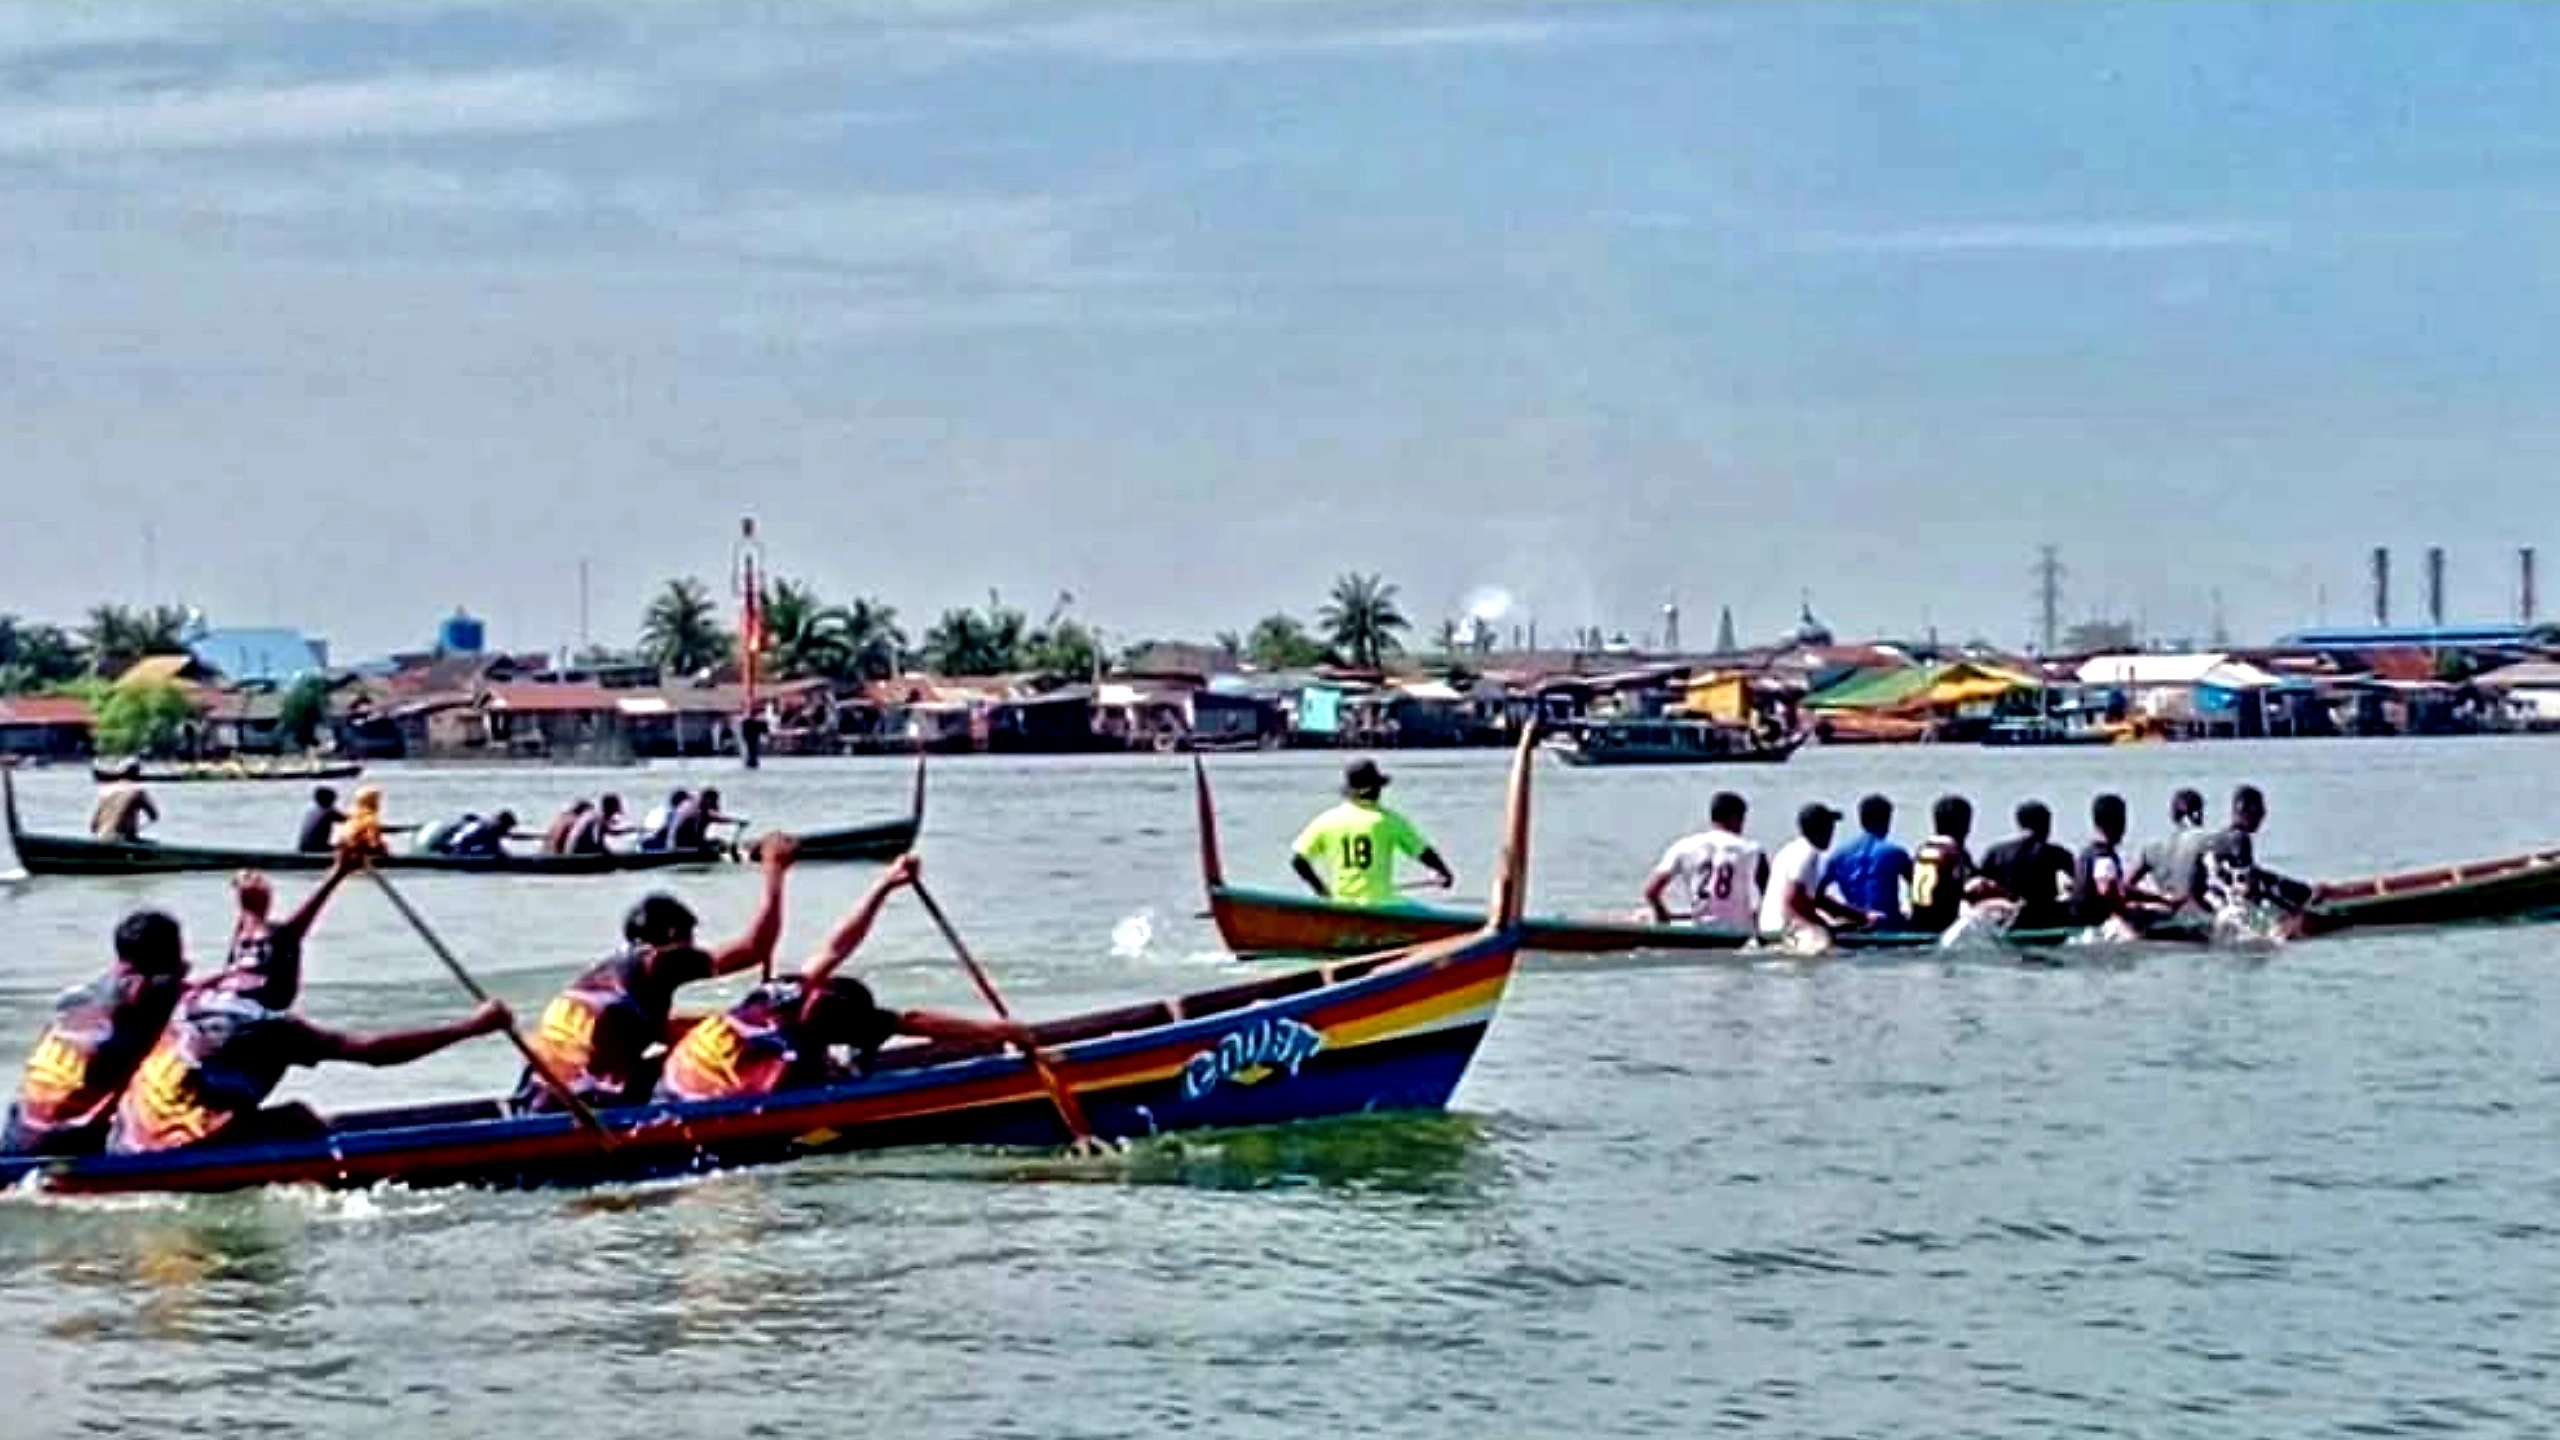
{"points": [[307, 913], [752, 950], [848, 936]]}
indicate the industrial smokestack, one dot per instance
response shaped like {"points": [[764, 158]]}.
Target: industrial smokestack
{"points": [[2381, 585], [2524, 584], [2435, 586]]}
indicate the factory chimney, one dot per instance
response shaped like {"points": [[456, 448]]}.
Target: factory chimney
{"points": [[2435, 586], [2524, 584], [2381, 585]]}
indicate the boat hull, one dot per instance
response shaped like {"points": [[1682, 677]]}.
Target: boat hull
{"points": [[211, 774], [1392, 1033]]}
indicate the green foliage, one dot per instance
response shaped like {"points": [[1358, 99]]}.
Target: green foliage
{"points": [[304, 711], [118, 635], [1065, 649], [681, 631], [33, 657], [1279, 642], [1362, 621], [969, 642], [142, 718], [804, 637]]}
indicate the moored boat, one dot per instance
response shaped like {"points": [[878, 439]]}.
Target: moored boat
{"points": [[1387, 1032], [43, 854], [1670, 742], [210, 771]]}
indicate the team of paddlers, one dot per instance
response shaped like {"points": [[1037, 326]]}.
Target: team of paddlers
{"points": [[150, 1058], [1721, 878]]}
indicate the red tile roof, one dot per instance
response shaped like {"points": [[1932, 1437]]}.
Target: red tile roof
{"points": [[45, 710], [554, 699]]}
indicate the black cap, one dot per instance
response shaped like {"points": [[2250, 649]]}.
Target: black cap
{"points": [[1363, 777], [1814, 814], [659, 919]]}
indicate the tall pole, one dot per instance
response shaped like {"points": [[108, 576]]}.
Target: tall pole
{"points": [[2049, 595], [586, 636], [750, 636]]}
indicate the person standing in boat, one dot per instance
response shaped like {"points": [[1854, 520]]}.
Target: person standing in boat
{"points": [[2168, 863], [2030, 869], [1871, 874], [1357, 843], [597, 1035], [779, 1036], [124, 807], [95, 1041], [1720, 872], [320, 823], [1794, 913]]}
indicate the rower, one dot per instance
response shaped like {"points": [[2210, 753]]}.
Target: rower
{"points": [[691, 827], [2227, 872], [656, 825], [555, 841], [265, 960], [1358, 842], [1872, 874], [779, 1037], [1794, 913], [320, 823], [2030, 869], [596, 1036], [124, 807], [1721, 872], [362, 831], [224, 1053], [2101, 890], [1942, 873], [97, 1038], [487, 839], [596, 826], [2168, 863]]}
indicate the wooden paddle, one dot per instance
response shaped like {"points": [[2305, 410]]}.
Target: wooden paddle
{"points": [[1068, 1110], [541, 1068]]}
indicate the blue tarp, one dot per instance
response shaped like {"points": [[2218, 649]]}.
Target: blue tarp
{"points": [[1319, 710]]}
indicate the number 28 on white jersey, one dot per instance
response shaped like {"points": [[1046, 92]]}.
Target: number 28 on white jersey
{"points": [[1720, 873]]}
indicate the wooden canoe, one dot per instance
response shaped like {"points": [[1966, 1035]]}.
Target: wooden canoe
{"points": [[1383, 1033], [1259, 924], [42, 854], [1661, 742], [216, 771]]}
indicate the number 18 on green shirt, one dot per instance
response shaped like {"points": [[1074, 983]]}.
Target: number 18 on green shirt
{"points": [[1356, 844]]}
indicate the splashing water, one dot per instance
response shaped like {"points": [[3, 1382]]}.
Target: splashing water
{"points": [[1131, 937]]}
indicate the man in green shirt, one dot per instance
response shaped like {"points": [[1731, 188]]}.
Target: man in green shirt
{"points": [[1357, 843]]}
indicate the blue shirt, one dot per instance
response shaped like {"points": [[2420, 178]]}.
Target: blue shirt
{"points": [[1869, 872]]}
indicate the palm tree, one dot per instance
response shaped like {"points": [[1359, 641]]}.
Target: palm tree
{"points": [[35, 656], [1230, 647], [878, 646], [966, 642], [118, 635], [805, 637], [1279, 642], [1362, 621], [680, 632]]}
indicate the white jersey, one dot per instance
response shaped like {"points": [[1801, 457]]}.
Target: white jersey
{"points": [[1719, 872], [1797, 870]]}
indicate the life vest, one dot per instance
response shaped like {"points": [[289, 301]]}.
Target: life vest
{"points": [[752, 1048], [595, 1035], [83, 1060], [218, 1059]]}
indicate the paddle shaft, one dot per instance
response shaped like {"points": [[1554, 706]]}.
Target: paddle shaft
{"points": [[1068, 1109], [541, 1068]]}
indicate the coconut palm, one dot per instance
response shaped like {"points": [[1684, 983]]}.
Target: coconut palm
{"points": [[681, 632], [118, 635], [877, 645], [967, 642], [804, 637], [1362, 621], [1279, 642], [35, 656]]}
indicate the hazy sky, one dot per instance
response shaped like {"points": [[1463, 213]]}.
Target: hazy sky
{"points": [[369, 311]]}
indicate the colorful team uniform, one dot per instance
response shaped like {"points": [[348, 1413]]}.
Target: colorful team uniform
{"points": [[596, 1035], [83, 1061], [1356, 844], [1939, 874], [1720, 873], [767, 1042], [222, 1054]]}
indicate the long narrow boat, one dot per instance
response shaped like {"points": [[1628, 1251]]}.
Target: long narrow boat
{"points": [[1259, 924], [1670, 742], [42, 854], [1390, 1032], [212, 771]]}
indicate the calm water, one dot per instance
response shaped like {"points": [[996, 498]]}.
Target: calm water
{"points": [[2316, 1192]]}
